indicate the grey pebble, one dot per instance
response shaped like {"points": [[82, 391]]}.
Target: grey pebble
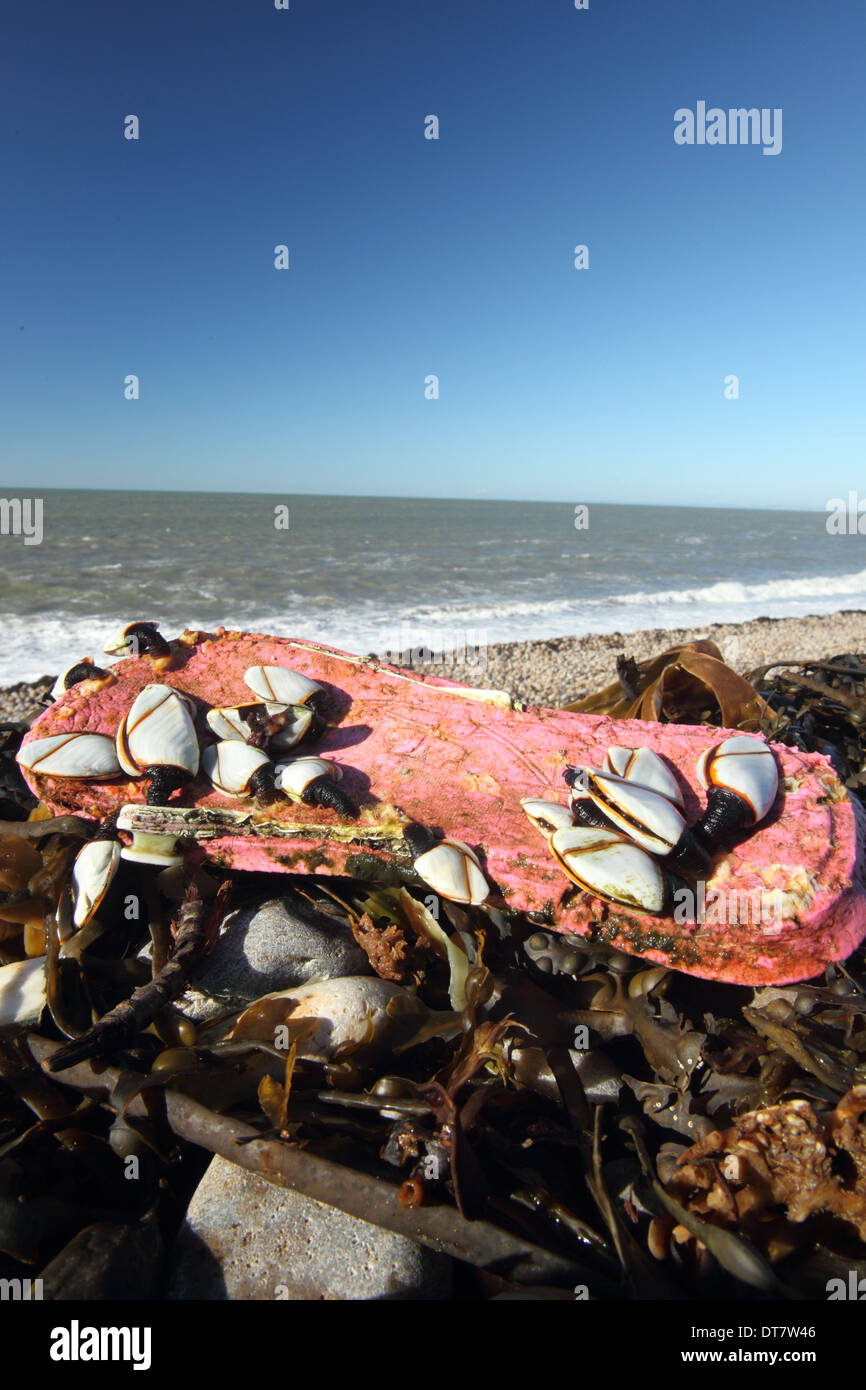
{"points": [[268, 945], [245, 1239]]}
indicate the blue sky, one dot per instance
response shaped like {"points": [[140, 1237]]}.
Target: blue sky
{"points": [[454, 257]]}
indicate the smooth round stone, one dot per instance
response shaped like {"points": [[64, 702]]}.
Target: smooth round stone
{"points": [[269, 945]]}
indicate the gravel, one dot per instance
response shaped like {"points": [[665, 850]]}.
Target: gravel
{"points": [[22, 703], [558, 670]]}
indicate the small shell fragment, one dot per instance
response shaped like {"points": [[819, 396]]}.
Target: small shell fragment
{"points": [[22, 992], [149, 848]]}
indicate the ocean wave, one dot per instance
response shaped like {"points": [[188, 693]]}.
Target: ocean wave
{"points": [[733, 592], [35, 644]]}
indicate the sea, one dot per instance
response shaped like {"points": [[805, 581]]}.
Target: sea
{"points": [[397, 575]]}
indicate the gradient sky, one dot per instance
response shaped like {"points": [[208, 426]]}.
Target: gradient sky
{"points": [[454, 257]]}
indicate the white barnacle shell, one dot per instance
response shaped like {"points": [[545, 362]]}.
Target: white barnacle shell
{"points": [[649, 819], [23, 993], [296, 726], [294, 777], [88, 756], [608, 865], [546, 816], [92, 873], [280, 685], [745, 766], [157, 731], [643, 766], [231, 764], [452, 870], [228, 723]]}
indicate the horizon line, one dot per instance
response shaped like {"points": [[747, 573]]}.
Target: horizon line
{"points": [[410, 497]]}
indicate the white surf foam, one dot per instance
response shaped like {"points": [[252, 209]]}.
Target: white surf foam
{"points": [[34, 645]]}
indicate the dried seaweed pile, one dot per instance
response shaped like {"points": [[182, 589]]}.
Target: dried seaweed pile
{"points": [[549, 1111], [820, 706]]}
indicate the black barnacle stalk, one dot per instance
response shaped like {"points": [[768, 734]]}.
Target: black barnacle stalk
{"points": [[262, 785], [142, 639], [325, 792], [419, 838], [162, 781], [726, 813]]}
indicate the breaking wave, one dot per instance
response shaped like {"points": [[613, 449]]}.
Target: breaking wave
{"points": [[35, 645], [732, 593]]}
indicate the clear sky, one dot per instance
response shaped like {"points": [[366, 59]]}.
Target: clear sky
{"points": [[454, 257]]}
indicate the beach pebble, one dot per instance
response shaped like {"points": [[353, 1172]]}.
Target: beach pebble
{"points": [[245, 1239], [336, 1015], [270, 944]]}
